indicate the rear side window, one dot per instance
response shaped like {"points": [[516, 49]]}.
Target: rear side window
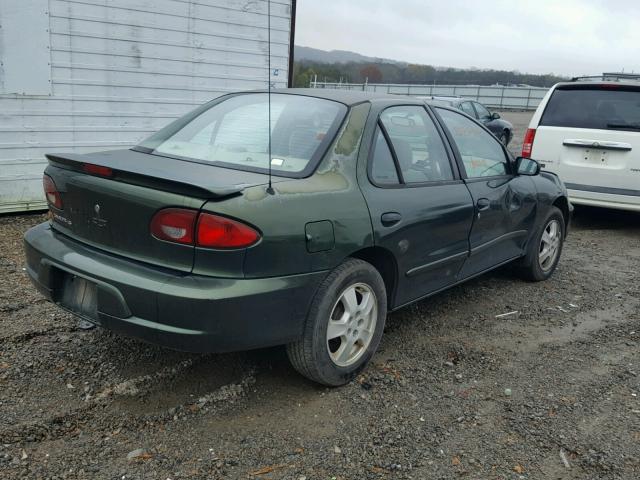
{"points": [[603, 107], [383, 168], [417, 145]]}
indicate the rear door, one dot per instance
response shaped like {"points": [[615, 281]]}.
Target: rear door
{"points": [[589, 134], [504, 202], [420, 209]]}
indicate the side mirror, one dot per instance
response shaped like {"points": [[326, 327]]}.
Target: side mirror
{"points": [[495, 116], [527, 166]]}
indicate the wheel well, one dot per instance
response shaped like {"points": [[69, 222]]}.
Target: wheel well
{"points": [[384, 261], [563, 204]]}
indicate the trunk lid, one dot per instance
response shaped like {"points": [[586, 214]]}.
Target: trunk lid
{"points": [[601, 158], [114, 213], [589, 134]]}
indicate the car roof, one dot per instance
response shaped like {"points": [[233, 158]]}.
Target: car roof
{"points": [[444, 98], [347, 97], [609, 77], [598, 82], [450, 99]]}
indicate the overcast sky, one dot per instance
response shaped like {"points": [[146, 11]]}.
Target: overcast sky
{"points": [[569, 37]]}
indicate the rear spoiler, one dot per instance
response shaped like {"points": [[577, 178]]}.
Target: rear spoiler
{"points": [[168, 174]]}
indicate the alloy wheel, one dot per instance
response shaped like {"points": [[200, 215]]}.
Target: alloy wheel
{"points": [[550, 245], [352, 324]]}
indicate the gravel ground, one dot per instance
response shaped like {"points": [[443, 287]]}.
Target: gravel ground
{"points": [[454, 392]]}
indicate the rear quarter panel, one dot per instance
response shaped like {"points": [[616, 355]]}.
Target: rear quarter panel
{"points": [[549, 189], [535, 120], [330, 194]]}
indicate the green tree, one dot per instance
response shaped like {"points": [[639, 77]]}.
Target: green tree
{"points": [[371, 73]]}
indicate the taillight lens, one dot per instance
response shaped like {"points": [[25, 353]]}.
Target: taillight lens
{"points": [[175, 225], [527, 145], [185, 226], [51, 192], [221, 232]]}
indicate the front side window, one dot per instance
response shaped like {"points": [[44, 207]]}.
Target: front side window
{"points": [[482, 155], [467, 108], [235, 132], [483, 113], [418, 147]]}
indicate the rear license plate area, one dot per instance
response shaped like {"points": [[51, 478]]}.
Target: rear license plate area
{"points": [[595, 157], [79, 296]]}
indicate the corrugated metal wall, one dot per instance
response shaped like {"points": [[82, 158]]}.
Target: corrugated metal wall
{"points": [[122, 69]]}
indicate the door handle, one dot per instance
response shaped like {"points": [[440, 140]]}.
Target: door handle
{"points": [[599, 145], [483, 204], [389, 219]]}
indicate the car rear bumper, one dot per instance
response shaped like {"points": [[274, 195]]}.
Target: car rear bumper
{"points": [[184, 312], [583, 196]]}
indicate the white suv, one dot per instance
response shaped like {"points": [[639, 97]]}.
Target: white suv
{"points": [[587, 131]]}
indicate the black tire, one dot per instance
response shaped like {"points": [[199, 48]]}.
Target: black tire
{"points": [[504, 137], [530, 265], [310, 355]]}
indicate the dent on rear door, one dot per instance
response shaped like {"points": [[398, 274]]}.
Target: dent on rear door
{"points": [[430, 243]]}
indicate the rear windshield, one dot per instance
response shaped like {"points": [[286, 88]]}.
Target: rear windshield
{"points": [[606, 107], [235, 133]]}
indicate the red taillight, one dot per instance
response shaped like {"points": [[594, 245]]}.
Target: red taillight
{"points": [[204, 230], [221, 232], [527, 145], [175, 225], [51, 192], [97, 170]]}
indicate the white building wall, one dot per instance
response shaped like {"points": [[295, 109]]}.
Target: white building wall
{"points": [[120, 70]]}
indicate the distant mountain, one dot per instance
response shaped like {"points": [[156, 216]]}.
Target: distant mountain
{"points": [[350, 67], [336, 56]]}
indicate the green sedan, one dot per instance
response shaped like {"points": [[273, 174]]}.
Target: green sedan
{"points": [[292, 217]]}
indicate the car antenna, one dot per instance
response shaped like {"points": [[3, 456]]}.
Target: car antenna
{"points": [[270, 187]]}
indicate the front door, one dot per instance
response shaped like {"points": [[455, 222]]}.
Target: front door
{"points": [[421, 211], [504, 202]]}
